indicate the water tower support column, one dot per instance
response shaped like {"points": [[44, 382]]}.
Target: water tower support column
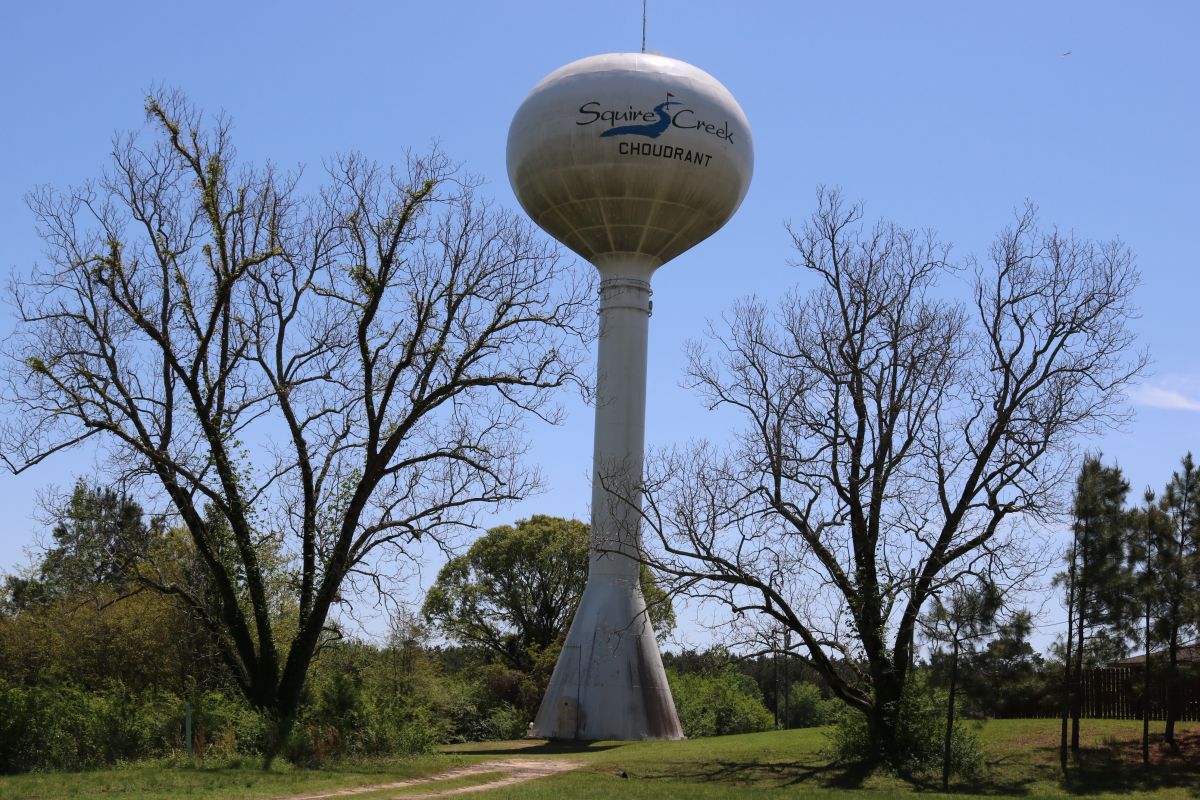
{"points": [[609, 682], [628, 159]]}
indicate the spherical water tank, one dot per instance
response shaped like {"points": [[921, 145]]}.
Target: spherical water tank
{"points": [[630, 154]]}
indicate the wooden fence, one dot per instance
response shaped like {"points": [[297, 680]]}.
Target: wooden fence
{"points": [[1116, 693]]}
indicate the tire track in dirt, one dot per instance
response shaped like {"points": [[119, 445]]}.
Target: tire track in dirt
{"points": [[517, 770]]}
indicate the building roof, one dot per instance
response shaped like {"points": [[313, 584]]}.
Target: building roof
{"points": [[1189, 654]]}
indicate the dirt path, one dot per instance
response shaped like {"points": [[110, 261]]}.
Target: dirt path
{"points": [[516, 770]]}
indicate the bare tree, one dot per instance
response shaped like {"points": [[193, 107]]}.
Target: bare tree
{"points": [[893, 437], [316, 382]]}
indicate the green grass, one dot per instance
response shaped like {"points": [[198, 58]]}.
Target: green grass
{"points": [[244, 781], [1021, 755]]}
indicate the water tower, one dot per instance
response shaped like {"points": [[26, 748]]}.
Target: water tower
{"points": [[629, 159]]}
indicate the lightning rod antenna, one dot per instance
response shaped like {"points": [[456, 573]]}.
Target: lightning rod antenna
{"points": [[644, 25]]}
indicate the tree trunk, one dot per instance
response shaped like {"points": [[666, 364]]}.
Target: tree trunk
{"points": [[1177, 599], [775, 680], [295, 671], [277, 735], [1146, 703], [948, 750], [883, 721], [1146, 669], [1080, 617], [1172, 690], [1068, 687], [787, 684]]}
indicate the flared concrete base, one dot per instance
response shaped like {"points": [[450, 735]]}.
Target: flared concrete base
{"points": [[609, 682]]}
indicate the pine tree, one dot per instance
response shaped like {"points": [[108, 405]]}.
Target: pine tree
{"points": [[961, 624], [98, 534], [1099, 580], [1151, 536], [1176, 567]]}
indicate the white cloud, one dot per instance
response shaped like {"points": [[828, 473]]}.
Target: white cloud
{"points": [[1160, 397]]}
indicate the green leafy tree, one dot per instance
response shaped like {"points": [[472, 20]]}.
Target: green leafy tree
{"points": [[143, 642], [82, 615], [98, 538], [514, 592], [807, 707]]}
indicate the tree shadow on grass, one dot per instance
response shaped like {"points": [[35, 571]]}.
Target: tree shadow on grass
{"points": [[1110, 769], [1107, 769], [838, 775], [993, 783], [770, 774]]}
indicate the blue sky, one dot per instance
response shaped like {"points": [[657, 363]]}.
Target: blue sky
{"points": [[937, 114]]}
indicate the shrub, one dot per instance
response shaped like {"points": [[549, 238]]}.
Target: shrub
{"points": [[504, 722], [310, 743], [718, 702], [341, 721], [225, 726], [808, 708], [63, 727], [142, 641], [419, 734], [920, 734]]}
